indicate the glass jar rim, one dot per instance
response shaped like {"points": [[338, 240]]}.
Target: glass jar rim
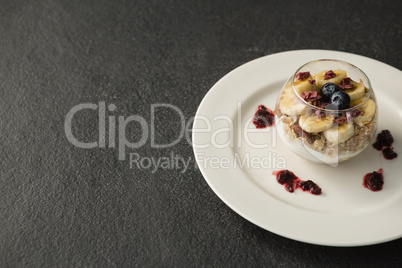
{"points": [[369, 87]]}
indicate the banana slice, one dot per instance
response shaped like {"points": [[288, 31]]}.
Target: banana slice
{"points": [[313, 123], [320, 81], [368, 113], [292, 105], [356, 102], [357, 92], [339, 133], [304, 85], [287, 90]]}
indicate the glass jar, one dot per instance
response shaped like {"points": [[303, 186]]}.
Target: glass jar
{"points": [[327, 112]]}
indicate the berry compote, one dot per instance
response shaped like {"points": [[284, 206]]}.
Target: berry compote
{"points": [[384, 143], [291, 182], [264, 117], [374, 180]]}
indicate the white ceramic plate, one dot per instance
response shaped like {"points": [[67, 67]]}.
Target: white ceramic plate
{"points": [[237, 160]]}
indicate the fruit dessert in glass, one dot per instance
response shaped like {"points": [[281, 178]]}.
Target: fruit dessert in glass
{"points": [[326, 111]]}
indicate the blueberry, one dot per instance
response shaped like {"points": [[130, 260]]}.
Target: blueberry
{"points": [[340, 100], [327, 90]]}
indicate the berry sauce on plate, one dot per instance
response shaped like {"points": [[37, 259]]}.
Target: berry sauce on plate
{"points": [[389, 153], [374, 180], [264, 117], [384, 143], [291, 182]]}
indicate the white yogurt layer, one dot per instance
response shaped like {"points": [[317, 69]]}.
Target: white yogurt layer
{"points": [[298, 147]]}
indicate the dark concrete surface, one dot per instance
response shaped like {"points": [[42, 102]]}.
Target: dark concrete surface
{"points": [[64, 206]]}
